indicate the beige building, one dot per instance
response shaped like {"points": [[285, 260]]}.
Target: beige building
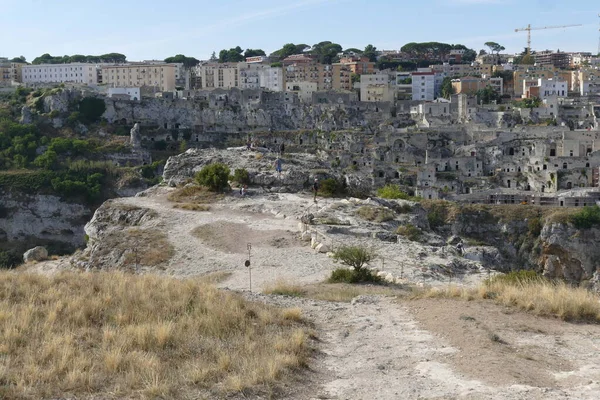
{"points": [[301, 68], [376, 87], [161, 76], [470, 85], [458, 70], [10, 72], [341, 77], [219, 75], [304, 90], [530, 73]]}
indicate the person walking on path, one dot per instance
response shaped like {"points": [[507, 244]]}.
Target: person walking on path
{"points": [[315, 189], [281, 149], [278, 166]]}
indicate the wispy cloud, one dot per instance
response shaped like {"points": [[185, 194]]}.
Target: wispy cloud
{"points": [[238, 20]]}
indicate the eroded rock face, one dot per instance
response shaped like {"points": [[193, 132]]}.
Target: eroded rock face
{"points": [[38, 253], [119, 236], [569, 253], [42, 217]]}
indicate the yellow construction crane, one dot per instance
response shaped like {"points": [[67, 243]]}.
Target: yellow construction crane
{"points": [[529, 29]]}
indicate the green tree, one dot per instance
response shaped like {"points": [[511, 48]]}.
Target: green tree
{"points": [[214, 176], [447, 89], [213, 57], [487, 95], [19, 59], [353, 50], [495, 48], [371, 52], [231, 55], [354, 256], [355, 78], [254, 53], [289, 49], [91, 109], [187, 62], [326, 52]]}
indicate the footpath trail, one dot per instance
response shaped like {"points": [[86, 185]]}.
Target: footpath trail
{"points": [[379, 347]]}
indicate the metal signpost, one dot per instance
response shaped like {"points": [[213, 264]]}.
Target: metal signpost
{"points": [[247, 264]]}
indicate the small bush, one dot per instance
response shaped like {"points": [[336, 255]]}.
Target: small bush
{"points": [[192, 207], [586, 218], [534, 226], [214, 176], [354, 256], [9, 259], [330, 188], [344, 275], [392, 192], [283, 288], [377, 214], [517, 278], [410, 232], [241, 176]]}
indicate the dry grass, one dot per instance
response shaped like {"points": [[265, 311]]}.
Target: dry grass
{"points": [[113, 335], [330, 292], [146, 247], [539, 297], [215, 277], [194, 194], [377, 214], [192, 207]]}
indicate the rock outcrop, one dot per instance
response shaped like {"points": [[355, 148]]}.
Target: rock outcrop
{"points": [[38, 253]]}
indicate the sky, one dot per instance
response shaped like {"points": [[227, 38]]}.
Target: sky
{"points": [[153, 29]]}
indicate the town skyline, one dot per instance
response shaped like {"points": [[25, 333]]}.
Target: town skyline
{"points": [[385, 24]]}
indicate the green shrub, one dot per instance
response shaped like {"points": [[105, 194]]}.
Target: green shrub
{"points": [[436, 218], [331, 188], [241, 176], [517, 278], [214, 177], [9, 259], [376, 214], [91, 109], [586, 218], [392, 192], [354, 256], [160, 145], [534, 226], [344, 275], [410, 232]]}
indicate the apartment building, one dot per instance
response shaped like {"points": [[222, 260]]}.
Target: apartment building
{"points": [[470, 85], [545, 88], [341, 77], [426, 84], [82, 73], [530, 72], [253, 75], [459, 70], [218, 75], [558, 60], [160, 76], [376, 87], [304, 90], [306, 69], [358, 65]]}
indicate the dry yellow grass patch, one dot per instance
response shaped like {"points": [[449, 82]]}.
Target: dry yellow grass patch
{"points": [[336, 292], [192, 207], [540, 297], [113, 335], [148, 247], [194, 194]]}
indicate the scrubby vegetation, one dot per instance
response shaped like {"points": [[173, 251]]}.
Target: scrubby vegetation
{"points": [[331, 187], [410, 232], [355, 257], [376, 214], [240, 176], [392, 192], [214, 176], [587, 217], [112, 335]]}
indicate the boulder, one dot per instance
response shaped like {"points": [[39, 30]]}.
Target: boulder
{"points": [[322, 248], [38, 253]]}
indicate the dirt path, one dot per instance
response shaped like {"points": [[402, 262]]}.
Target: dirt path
{"points": [[379, 347]]}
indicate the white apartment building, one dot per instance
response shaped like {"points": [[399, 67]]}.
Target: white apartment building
{"points": [[426, 84], [260, 76], [128, 93], [161, 76], [304, 90], [61, 73], [552, 87]]}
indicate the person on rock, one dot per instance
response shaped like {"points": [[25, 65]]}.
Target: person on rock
{"points": [[278, 166], [315, 189]]}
